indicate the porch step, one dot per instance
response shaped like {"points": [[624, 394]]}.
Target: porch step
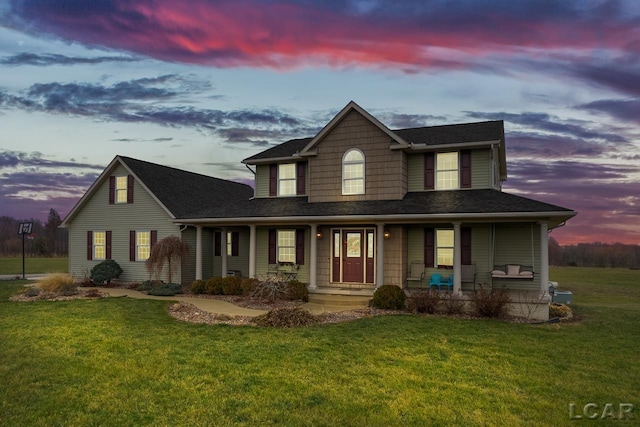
{"points": [[347, 301]]}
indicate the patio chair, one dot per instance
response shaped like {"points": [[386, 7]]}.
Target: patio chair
{"points": [[435, 280], [272, 270], [448, 283], [416, 273]]}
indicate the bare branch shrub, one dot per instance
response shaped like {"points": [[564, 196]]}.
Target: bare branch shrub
{"points": [[168, 251]]}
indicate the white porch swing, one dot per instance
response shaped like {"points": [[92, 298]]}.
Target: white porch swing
{"points": [[511, 270]]}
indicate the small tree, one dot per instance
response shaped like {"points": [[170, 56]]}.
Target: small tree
{"points": [[167, 251]]}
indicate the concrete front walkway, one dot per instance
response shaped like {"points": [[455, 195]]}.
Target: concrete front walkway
{"points": [[205, 304]]}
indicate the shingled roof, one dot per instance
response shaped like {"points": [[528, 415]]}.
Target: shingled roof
{"points": [[455, 202], [429, 135], [184, 193]]}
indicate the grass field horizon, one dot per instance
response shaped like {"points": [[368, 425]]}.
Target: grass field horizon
{"points": [[120, 362]]}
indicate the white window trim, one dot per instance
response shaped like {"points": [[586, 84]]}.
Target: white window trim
{"points": [[438, 246], [278, 246], [138, 245], [118, 190], [95, 245], [456, 169], [281, 180], [346, 163]]}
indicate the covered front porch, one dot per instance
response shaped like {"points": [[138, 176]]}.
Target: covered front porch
{"points": [[356, 258]]}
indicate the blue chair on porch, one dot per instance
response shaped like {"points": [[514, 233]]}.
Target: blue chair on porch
{"points": [[435, 280], [448, 282]]}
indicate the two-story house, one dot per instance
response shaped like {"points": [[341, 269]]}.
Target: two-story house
{"points": [[345, 211]]}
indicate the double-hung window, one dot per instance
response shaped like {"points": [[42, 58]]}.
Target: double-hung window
{"points": [[143, 245], [287, 246], [99, 245], [287, 179], [447, 171], [121, 189], [444, 247], [353, 172]]}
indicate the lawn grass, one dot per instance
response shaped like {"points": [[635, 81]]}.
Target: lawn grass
{"points": [[13, 266], [121, 362]]}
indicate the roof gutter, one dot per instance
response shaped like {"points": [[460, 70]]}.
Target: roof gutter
{"points": [[430, 147], [389, 219]]}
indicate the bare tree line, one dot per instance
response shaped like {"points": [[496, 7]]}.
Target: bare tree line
{"points": [[45, 240], [604, 255]]}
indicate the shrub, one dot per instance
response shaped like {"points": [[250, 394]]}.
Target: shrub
{"points": [[389, 297], [93, 293], [296, 290], [452, 303], [64, 284], [213, 286], [231, 285], [490, 302], [147, 285], [270, 289], [423, 301], [249, 285], [198, 286], [166, 290], [31, 292], [559, 310], [286, 318], [105, 272]]}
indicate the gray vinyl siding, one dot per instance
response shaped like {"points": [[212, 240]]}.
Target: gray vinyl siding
{"points": [[480, 170], [97, 214], [518, 243], [189, 264], [262, 181], [415, 172], [262, 253]]}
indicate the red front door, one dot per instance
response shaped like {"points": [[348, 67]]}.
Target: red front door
{"points": [[353, 256]]}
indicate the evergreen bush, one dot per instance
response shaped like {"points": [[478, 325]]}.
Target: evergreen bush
{"points": [[231, 285], [105, 272], [296, 290], [389, 297], [198, 286]]}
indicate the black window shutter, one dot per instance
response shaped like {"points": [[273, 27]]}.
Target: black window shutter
{"points": [[429, 247], [129, 188], [429, 171], [112, 190], [300, 247], [132, 245], [273, 180], [218, 244], [301, 172], [235, 243], [89, 245], [465, 169], [154, 238], [272, 246], [108, 238], [465, 238]]}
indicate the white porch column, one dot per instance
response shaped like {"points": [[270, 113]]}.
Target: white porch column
{"points": [[313, 257], [198, 252], [544, 258], [252, 251], [457, 258], [380, 255], [223, 251]]}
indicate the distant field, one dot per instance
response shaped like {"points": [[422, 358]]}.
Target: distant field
{"points": [[33, 265]]}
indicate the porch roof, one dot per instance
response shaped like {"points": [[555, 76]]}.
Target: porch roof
{"points": [[416, 205]]}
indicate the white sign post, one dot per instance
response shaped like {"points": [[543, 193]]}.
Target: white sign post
{"points": [[24, 229]]}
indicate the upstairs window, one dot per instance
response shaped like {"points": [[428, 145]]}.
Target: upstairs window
{"points": [[120, 189], [447, 171], [287, 179], [353, 172]]}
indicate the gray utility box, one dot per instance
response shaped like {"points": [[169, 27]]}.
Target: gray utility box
{"points": [[563, 297]]}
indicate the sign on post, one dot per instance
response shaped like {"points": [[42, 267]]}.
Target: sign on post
{"points": [[24, 229]]}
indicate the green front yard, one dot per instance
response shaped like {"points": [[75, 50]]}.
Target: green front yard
{"points": [[13, 266], [116, 362]]}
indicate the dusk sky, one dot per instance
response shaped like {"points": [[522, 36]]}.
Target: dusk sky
{"points": [[202, 84]]}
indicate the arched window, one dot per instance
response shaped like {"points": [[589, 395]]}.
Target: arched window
{"points": [[353, 172]]}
